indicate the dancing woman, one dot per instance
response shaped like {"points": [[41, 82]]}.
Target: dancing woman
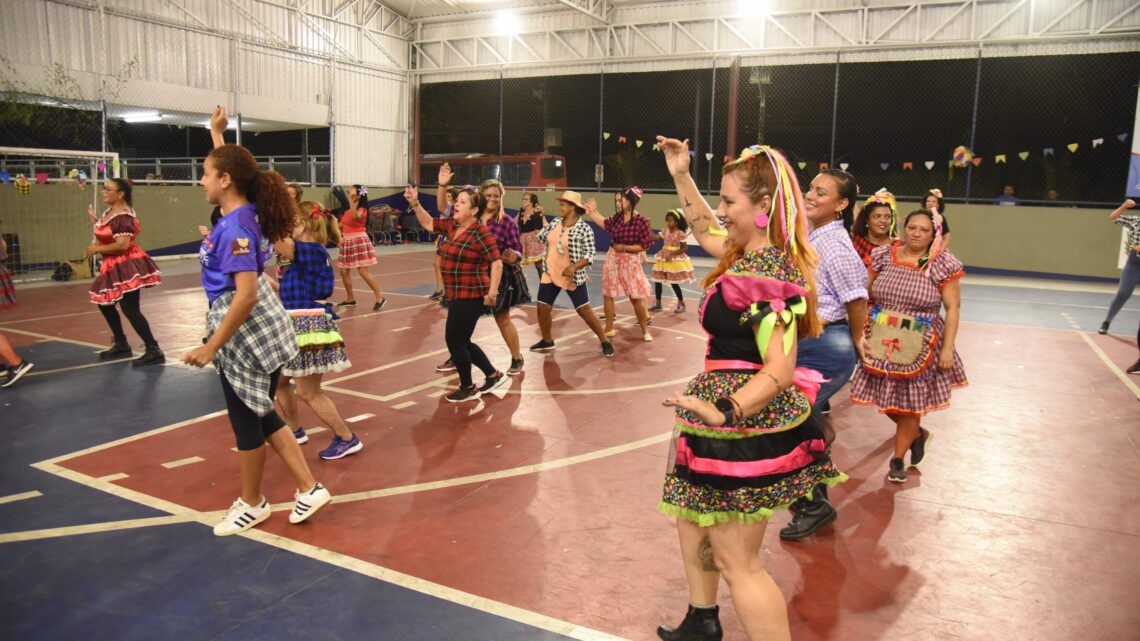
{"points": [[745, 444], [356, 251], [126, 269], [307, 283], [250, 335]]}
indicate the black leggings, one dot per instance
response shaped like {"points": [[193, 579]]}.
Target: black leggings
{"points": [[130, 304], [250, 429], [462, 315], [676, 290]]}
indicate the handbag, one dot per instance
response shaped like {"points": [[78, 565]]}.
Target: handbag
{"points": [[901, 345], [513, 289]]}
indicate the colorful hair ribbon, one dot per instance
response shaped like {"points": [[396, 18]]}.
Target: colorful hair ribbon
{"points": [[787, 202]]}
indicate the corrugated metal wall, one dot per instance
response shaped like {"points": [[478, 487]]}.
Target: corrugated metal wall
{"points": [[266, 61]]}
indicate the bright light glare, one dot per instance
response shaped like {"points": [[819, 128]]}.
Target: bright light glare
{"points": [[153, 116], [507, 23], [752, 8]]}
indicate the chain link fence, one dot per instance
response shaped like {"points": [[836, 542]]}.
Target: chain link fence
{"points": [[1055, 128]]}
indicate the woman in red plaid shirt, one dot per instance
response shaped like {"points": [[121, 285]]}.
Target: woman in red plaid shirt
{"points": [[469, 285]]}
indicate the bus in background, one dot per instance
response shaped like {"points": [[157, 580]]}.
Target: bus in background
{"points": [[529, 171]]}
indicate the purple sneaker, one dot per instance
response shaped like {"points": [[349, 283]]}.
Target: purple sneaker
{"points": [[340, 448]]}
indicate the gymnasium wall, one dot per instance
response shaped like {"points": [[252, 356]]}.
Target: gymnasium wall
{"points": [[52, 225]]}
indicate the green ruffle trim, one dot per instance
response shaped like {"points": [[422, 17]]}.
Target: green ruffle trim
{"points": [[319, 338], [708, 519], [734, 434]]}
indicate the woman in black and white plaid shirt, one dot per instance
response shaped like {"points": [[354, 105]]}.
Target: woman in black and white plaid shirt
{"points": [[1130, 275]]}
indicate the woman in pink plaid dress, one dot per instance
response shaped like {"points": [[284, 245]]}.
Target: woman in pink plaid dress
{"points": [[913, 278]]}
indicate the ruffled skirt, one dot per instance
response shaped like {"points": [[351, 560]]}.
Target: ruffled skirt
{"points": [[355, 251], [677, 269], [622, 275], [721, 474], [122, 273], [7, 288], [532, 250], [322, 346]]}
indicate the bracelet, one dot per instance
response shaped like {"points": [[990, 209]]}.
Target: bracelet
{"points": [[774, 380]]}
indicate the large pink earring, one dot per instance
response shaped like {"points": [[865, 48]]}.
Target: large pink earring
{"points": [[761, 220]]}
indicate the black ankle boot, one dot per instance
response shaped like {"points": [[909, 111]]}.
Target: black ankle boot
{"points": [[118, 348], [699, 625], [152, 356], [809, 516]]}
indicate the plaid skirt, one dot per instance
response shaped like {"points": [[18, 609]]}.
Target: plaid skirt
{"points": [[622, 275], [356, 251]]}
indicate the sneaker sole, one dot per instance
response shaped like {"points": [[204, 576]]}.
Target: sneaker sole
{"points": [[445, 371], [542, 349], [302, 440], [494, 386], [514, 372], [243, 529], [19, 375], [352, 450], [473, 397], [895, 480], [294, 519]]}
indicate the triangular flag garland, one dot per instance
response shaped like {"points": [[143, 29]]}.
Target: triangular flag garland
{"points": [[622, 139], [606, 135], [708, 156], [639, 143], [907, 166], [844, 166], [929, 164], [822, 166], [884, 165], [1097, 142], [802, 164], [656, 147], [999, 159], [1122, 137], [1048, 151], [977, 161], [1074, 146], [1023, 154]]}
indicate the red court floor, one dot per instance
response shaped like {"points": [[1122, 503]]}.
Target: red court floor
{"points": [[538, 504]]}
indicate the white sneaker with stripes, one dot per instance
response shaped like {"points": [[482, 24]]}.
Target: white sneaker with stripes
{"points": [[241, 517], [307, 503]]}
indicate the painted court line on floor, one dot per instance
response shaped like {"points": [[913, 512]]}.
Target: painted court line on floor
{"points": [[1119, 373], [44, 372], [23, 496], [358, 417], [54, 338], [94, 528], [185, 461], [114, 477], [403, 405]]}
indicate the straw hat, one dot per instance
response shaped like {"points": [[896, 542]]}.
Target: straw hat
{"points": [[572, 197]]}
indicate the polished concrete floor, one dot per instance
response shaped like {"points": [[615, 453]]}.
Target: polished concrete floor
{"points": [[530, 515]]}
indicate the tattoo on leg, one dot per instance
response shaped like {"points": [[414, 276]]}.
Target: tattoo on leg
{"points": [[706, 554]]}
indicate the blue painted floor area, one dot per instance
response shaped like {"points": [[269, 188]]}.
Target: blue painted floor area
{"points": [[180, 582]]}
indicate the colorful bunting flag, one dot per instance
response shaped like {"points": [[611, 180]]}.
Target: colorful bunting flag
{"points": [[639, 143], [1074, 146], [606, 135], [1048, 151], [884, 165], [1023, 155], [708, 156], [1122, 137], [822, 166], [977, 161], [843, 166], [621, 139], [1097, 142], [907, 166], [999, 159], [656, 147], [929, 164], [802, 164]]}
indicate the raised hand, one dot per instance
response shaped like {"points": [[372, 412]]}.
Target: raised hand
{"points": [[1129, 204], [445, 175], [676, 154], [218, 121], [412, 193], [91, 213]]}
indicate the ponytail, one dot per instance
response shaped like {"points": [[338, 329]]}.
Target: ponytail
{"points": [[276, 211]]}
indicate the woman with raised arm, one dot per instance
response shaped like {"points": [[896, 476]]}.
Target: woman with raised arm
{"points": [[746, 444], [356, 251], [250, 336], [622, 274], [471, 271], [126, 269]]}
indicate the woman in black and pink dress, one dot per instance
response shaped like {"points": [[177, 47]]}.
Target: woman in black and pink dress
{"points": [[125, 271]]}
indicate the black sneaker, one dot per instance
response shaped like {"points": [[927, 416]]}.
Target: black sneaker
{"points": [[607, 349], [542, 346], [152, 356], [17, 372], [516, 367], [493, 382], [918, 447], [656, 307], [446, 366], [463, 394], [1135, 369], [379, 304], [897, 473], [1103, 328], [116, 350], [346, 303]]}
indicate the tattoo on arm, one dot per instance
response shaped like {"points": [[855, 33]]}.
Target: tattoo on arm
{"points": [[706, 554]]}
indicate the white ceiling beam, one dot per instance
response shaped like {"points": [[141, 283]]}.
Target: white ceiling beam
{"points": [[1117, 17], [997, 23], [599, 10], [1073, 7]]}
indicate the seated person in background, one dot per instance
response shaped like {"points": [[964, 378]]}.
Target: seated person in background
{"points": [[1007, 197]]}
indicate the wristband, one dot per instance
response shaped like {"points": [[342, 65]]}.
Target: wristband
{"points": [[728, 408]]}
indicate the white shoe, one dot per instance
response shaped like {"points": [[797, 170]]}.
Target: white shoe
{"points": [[308, 503], [241, 517]]}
